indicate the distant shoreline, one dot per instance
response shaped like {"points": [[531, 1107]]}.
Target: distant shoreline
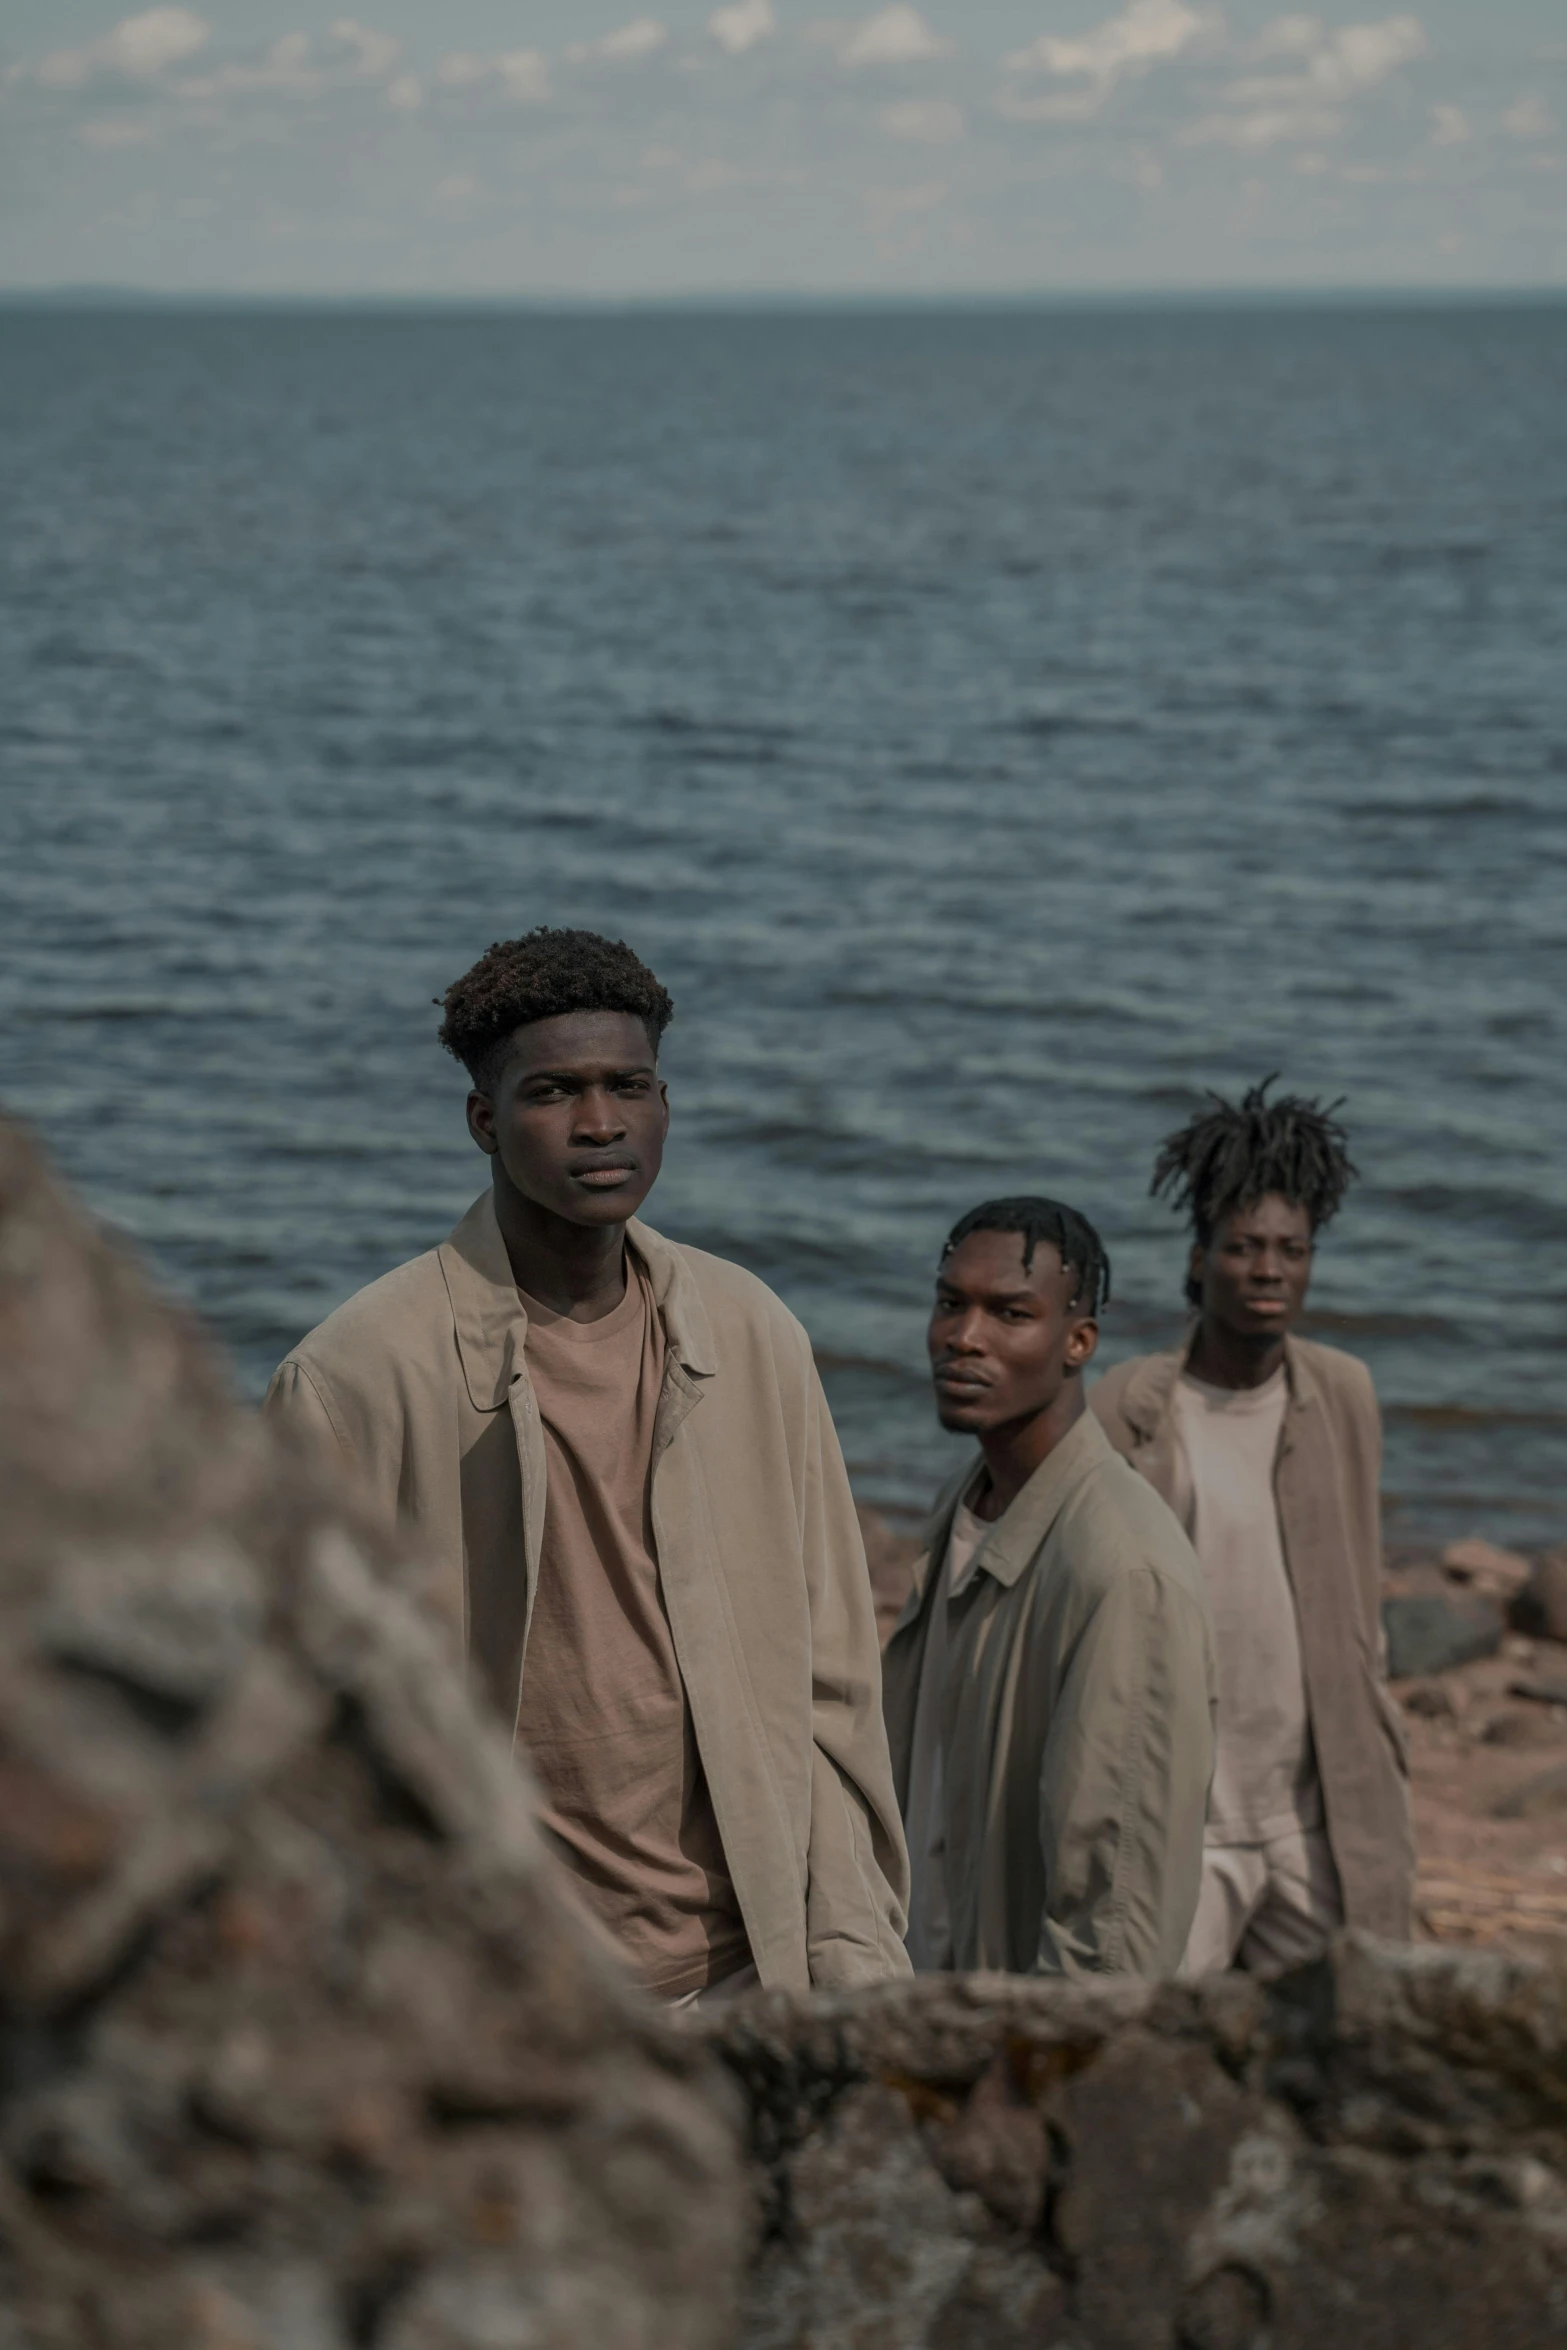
{"points": [[1192, 300]]}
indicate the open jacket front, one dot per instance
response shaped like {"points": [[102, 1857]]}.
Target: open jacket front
{"points": [[1326, 1483], [1077, 1736], [421, 1383]]}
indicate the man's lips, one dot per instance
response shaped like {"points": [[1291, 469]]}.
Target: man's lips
{"points": [[959, 1379], [604, 1174]]}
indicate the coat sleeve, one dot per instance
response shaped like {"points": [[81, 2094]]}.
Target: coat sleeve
{"points": [[1124, 1784], [297, 1402], [858, 1884]]}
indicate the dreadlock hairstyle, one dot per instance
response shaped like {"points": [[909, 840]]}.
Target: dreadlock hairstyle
{"points": [[1227, 1158], [535, 978], [1074, 1239]]}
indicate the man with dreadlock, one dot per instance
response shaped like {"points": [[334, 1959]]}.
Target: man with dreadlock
{"points": [[1268, 1448], [614, 1454], [1048, 1685]]}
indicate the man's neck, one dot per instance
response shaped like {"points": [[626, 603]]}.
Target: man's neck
{"points": [[1014, 1452], [578, 1270], [1221, 1358]]}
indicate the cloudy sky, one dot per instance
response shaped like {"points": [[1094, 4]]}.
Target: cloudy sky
{"points": [[565, 146]]}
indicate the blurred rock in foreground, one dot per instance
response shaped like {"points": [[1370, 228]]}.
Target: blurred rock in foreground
{"points": [[302, 2047], [1367, 2155]]}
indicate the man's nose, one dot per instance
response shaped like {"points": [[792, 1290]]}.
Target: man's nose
{"points": [[967, 1334], [598, 1118]]}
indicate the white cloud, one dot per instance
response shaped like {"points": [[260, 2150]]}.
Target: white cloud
{"points": [[1331, 66], [638, 39], [406, 93], [931, 122], [898, 36], [1449, 126], [1263, 127], [522, 74], [741, 27], [1150, 30], [1359, 55], [288, 69], [140, 48], [525, 74], [1529, 119], [456, 196], [116, 131], [1064, 106], [1333, 61], [374, 54]]}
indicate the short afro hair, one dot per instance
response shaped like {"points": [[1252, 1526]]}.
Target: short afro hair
{"points": [[519, 980], [1231, 1155], [1073, 1238]]}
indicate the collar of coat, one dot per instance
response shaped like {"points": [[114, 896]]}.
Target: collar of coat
{"points": [[492, 1324], [1018, 1533], [1149, 1392]]}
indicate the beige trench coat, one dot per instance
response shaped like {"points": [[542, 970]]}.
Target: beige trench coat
{"points": [[1325, 1481], [421, 1383], [1077, 1726]]}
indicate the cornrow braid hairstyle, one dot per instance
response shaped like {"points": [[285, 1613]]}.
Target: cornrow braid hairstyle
{"points": [[1230, 1156], [1073, 1238], [537, 977]]}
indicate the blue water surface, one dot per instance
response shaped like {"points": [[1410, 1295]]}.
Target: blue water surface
{"points": [[994, 727]]}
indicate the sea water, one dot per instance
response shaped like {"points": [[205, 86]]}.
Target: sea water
{"points": [[995, 727]]}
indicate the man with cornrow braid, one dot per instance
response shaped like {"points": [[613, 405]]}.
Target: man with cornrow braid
{"points": [[615, 1456], [1268, 1447], [1048, 1686]]}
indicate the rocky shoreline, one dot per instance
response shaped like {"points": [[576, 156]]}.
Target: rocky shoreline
{"points": [[1477, 1639], [308, 2048]]}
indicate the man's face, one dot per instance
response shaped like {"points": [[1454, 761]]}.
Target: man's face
{"points": [[1003, 1342], [1254, 1272], [578, 1120]]}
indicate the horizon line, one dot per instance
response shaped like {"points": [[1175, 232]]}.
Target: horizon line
{"points": [[1402, 293]]}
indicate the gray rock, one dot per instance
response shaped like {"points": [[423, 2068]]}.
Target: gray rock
{"points": [[1429, 1632], [304, 2047], [1540, 1608], [1370, 2152]]}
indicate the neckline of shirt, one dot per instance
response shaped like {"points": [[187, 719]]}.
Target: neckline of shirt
{"points": [[632, 1307], [1237, 1399]]}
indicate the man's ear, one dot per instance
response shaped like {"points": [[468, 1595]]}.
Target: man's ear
{"points": [[1081, 1341], [481, 1122]]}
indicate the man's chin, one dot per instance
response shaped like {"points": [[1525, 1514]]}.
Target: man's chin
{"points": [[1261, 1329], [961, 1419]]}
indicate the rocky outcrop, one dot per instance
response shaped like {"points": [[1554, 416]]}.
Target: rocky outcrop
{"points": [[303, 2047], [1372, 2153]]}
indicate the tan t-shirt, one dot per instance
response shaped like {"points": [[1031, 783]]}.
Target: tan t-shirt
{"points": [[1264, 1774], [603, 1714]]}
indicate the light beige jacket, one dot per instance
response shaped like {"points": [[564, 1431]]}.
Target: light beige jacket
{"points": [[421, 1383], [1078, 1723], [1325, 1483]]}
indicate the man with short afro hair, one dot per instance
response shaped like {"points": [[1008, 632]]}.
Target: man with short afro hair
{"points": [[538, 977], [1268, 1447], [613, 1454]]}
